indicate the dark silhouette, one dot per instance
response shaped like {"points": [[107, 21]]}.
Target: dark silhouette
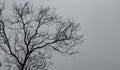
{"points": [[0, 64], [29, 36]]}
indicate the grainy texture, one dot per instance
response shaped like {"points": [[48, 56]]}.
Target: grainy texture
{"points": [[27, 36]]}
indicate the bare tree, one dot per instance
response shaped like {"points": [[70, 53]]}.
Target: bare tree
{"points": [[29, 36]]}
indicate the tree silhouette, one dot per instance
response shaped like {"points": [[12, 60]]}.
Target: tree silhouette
{"points": [[29, 36]]}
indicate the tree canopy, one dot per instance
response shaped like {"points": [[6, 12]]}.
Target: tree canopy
{"points": [[29, 36]]}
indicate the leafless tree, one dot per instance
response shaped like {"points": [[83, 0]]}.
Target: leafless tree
{"points": [[29, 36]]}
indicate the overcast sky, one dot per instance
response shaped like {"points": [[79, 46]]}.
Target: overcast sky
{"points": [[100, 19]]}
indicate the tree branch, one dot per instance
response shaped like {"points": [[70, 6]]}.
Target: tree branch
{"points": [[7, 42]]}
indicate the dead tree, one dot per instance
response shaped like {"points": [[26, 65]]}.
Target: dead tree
{"points": [[29, 36]]}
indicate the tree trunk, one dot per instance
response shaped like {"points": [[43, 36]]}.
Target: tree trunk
{"points": [[22, 67]]}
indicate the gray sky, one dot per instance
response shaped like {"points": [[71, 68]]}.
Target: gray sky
{"points": [[101, 20]]}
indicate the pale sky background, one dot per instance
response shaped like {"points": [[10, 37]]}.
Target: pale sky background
{"points": [[100, 19]]}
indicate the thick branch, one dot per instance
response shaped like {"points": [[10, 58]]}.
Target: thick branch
{"points": [[7, 43]]}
